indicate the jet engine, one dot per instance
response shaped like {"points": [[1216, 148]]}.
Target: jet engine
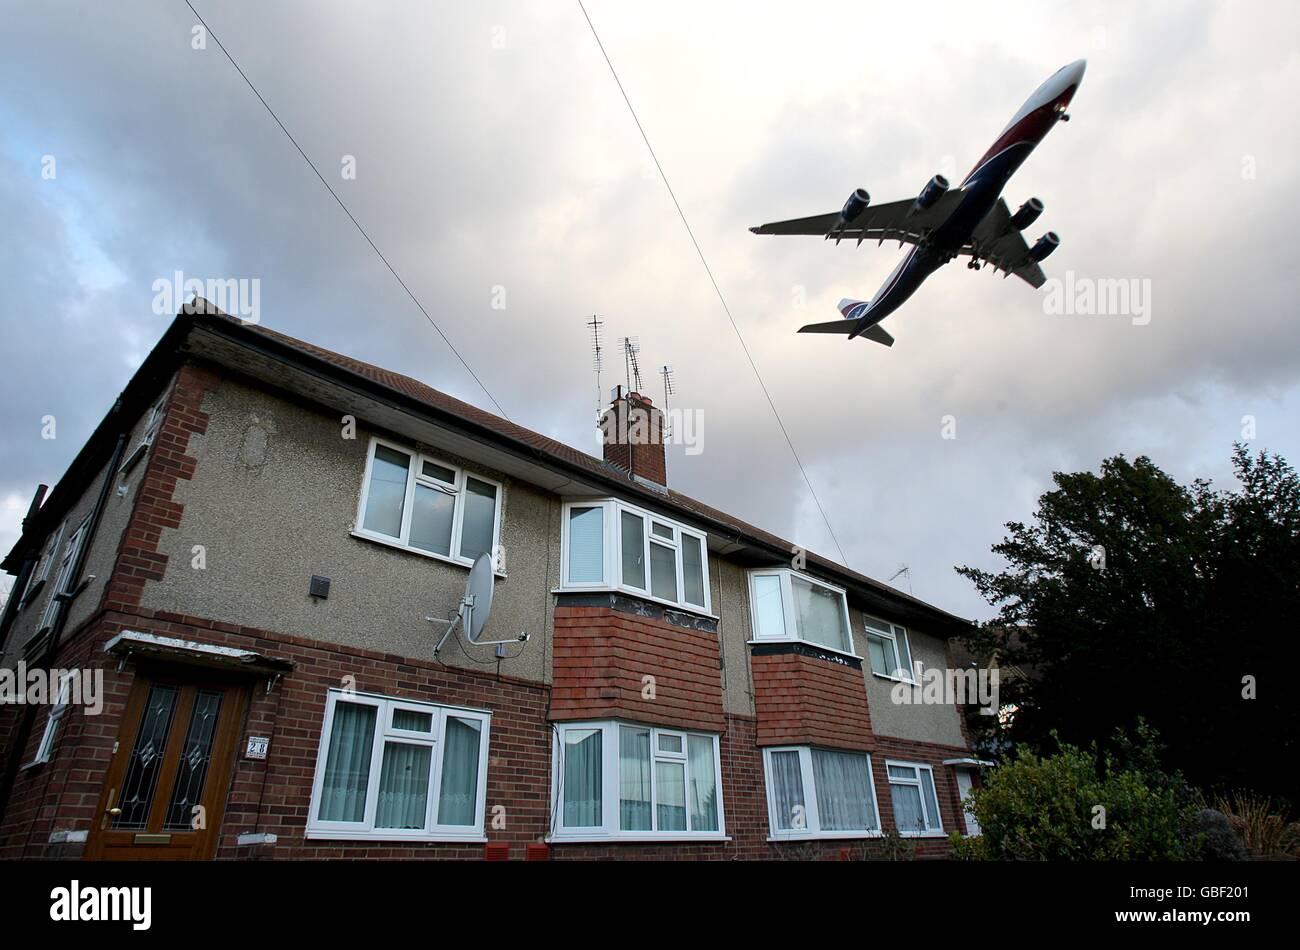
{"points": [[1027, 215], [934, 190], [1044, 246], [856, 204]]}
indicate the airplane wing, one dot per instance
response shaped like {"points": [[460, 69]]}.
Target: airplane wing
{"points": [[895, 221], [997, 242]]}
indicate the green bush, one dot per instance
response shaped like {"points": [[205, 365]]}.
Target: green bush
{"points": [[1084, 805]]}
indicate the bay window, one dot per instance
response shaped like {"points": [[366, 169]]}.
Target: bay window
{"points": [[916, 807], [819, 793], [622, 781], [395, 768], [610, 545], [889, 650], [786, 605], [427, 506]]}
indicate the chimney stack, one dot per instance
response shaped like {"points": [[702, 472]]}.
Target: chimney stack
{"points": [[632, 432]]}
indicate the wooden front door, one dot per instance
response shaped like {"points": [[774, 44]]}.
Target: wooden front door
{"points": [[167, 784]]}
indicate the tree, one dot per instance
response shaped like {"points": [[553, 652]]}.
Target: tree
{"points": [[1132, 596]]}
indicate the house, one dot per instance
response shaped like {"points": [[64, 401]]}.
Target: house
{"points": [[256, 552]]}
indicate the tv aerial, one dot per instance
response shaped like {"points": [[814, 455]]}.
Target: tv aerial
{"points": [[475, 605]]}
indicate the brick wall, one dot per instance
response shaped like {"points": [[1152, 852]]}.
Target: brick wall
{"points": [[801, 699], [602, 656]]}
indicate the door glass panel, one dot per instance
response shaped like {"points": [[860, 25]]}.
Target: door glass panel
{"points": [[141, 779], [196, 755]]}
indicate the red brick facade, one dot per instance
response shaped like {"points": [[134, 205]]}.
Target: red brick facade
{"points": [[810, 700], [610, 663]]}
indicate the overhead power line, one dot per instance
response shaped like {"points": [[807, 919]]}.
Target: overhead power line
{"points": [[351, 217], [716, 289]]}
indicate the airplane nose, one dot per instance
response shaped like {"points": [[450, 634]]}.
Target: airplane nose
{"points": [[1076, 69]]}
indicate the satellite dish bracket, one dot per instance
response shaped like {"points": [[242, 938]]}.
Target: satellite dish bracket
{"points": [[465, 610]]}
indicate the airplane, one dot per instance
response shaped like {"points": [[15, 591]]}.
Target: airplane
{"points": [[941, 223]]}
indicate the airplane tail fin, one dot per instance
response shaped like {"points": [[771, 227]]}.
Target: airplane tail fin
{"points": [[851, 325]]}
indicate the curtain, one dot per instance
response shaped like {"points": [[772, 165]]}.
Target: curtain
{"points": [[479, 519], [459, 792], [347, 764], [820, 618], [633, 778], [843, 783], [670, 794], [907, 807], [582, 778], [403, 786], [931, 803], [703, 784], [787, 791], [586, 545]]}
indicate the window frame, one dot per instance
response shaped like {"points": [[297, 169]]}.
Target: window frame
{"points": [[610, 829], [811, 812], [385, 732], [152, 424], [790, 618], [612, 539], [63, 580], [58, 709], [890, 632], [415, 476], [934, 830]]}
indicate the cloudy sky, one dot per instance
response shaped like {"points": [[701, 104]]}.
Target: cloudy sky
{"points": [[493, 150]]}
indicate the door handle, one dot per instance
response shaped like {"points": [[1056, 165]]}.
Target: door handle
{"points": [[111, 811], [115, 812]]}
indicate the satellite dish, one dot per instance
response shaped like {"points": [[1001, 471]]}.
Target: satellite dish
{"points": [[475, 606], [477, 602]]}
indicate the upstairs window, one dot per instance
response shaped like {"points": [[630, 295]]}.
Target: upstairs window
{"points": [[57, 711], [426, 505], [610, 545], [889, 650], [786, 605], [63, 579]]}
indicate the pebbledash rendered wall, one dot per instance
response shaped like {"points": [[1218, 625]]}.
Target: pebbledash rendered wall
{"points": [[594, 659]]}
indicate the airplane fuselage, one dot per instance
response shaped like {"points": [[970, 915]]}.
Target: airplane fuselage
{"points": [[979, 193]]}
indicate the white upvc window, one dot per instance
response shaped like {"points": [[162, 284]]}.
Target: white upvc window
{"points": [[889, 650], [630, 782], [399, 769], [41, 572], [57, 711], [819, 793], [63, 579], [151, 426], [916, 806], [428, 506], [786, 605], [611, 545]]}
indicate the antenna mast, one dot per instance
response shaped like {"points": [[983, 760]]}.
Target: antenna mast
{"points": [[631, 347], [666, 371], [597, 359]]}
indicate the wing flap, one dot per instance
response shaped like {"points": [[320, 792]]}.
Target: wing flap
{"points": [[997, 242], [893, 221]]}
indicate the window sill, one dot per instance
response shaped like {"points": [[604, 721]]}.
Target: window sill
{"points": [[923, 834], [399, 546], [476, 837], [631, 838], [810, 643], [826, 836], [639, 595], [893, 679]]}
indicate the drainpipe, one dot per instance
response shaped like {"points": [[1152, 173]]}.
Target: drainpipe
{"points": [[60, 617]]}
